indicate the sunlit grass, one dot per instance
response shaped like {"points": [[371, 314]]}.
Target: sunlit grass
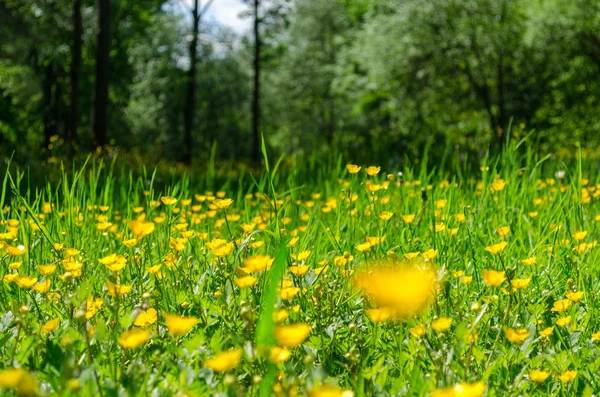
{"points": [[352, 281]]}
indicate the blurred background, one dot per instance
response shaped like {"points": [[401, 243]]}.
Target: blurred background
{"points": [[372, 80]]}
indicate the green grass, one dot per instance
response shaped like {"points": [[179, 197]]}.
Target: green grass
{"points": [[298, 206]]}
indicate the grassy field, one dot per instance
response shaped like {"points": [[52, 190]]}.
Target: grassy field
{"points": [[305, 279]]}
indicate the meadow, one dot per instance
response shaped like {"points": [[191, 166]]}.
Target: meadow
{"points": [[306, 278]]}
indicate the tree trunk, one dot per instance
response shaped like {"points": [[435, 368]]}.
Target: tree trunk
{"points": [[100, 94], [256, 92], [49, 122], [190, 103], [71, 137]]}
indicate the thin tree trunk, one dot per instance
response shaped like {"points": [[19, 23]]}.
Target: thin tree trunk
{"points": [[100, 94], [256, 92], [190, 103], [74, 77], [49, 122]]}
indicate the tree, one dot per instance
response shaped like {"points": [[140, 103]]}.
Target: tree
{"points": [[190, 103], [255, 154], [100, 94], [71, 138]]}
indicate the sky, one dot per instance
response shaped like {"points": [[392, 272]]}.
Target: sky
{"points": [[226, 13]]}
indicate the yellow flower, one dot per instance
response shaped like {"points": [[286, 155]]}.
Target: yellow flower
{"points": [[258, 263], [546, 332], [529, 261], [224, 361], [562, 321], [352, 169], [15, 265], [574, 296], [292, 335], [363, 247], [411, 255], [379, 315], [145, 318], [372, 170], [223, 203], [118, 264], [19, 380], [168, 200], [43, 286], [116, 289], [92, 306], [459, 218], [288, 293], [429, 254], [498, 185], [140, 228], [178, 325], [418, 330], [561, 305], [329, 391], [462, 389], [46, 270], [441, 324], [439, 204], [219, 247], [580, 235], [496, 248], [538, 376], [406, 290], [385, 215], [596, 336], [107, 260], [245, 282], [134, 338], [50, 326], [129, 243], [299, 270], [516, 335], [408, 218], [503, 231], [280, 315], [519, 283], [15, 251], [493, 278], [567, 376], [279, 354], [25, 281]]}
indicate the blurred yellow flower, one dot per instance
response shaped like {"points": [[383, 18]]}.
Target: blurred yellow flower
{"points": [[461, 389], [291, 335], [538, 376], [50, 326], [493, 278], [567, 376], [224, 361], [574, 296], [441, 324], [168, 200], [496, 248], [561, 305], [418, 330], [329, 391], [134, 338], [405, 289], [145, 318], [178, 325], [352, 168], [373, 170], [516, 335]]}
